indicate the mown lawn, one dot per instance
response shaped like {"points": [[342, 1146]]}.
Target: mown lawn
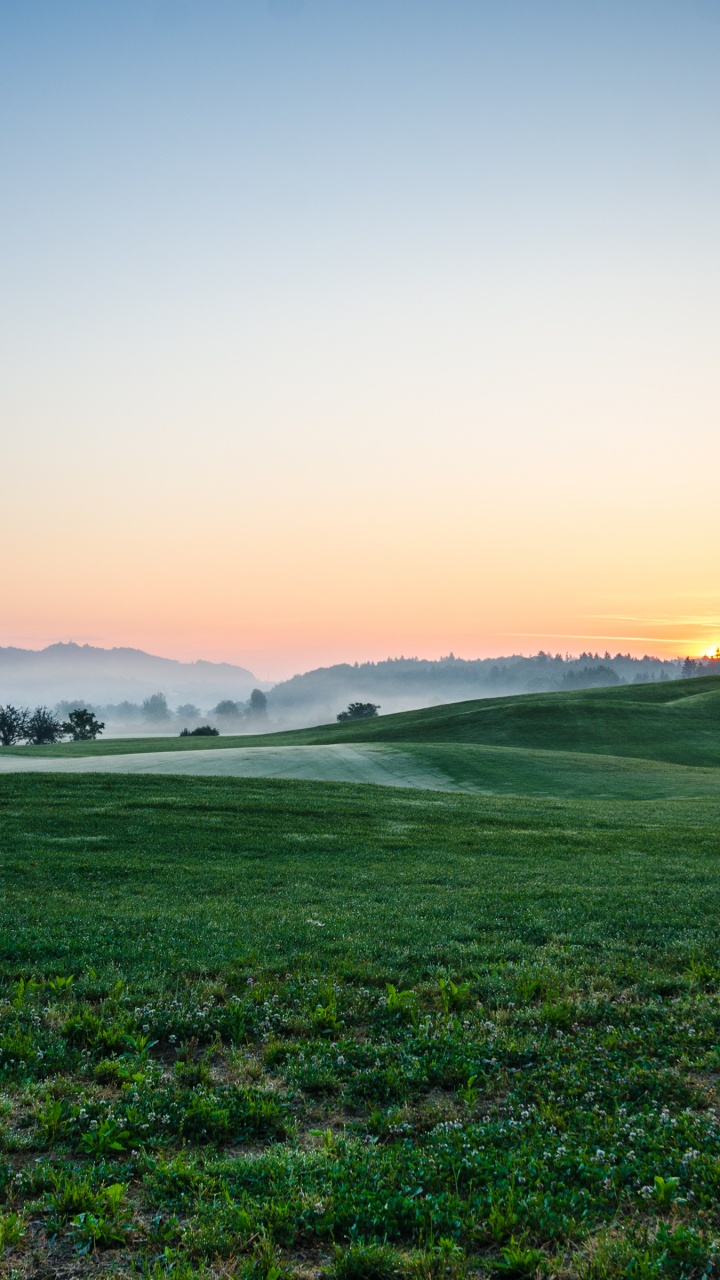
{"points": [[262, 1028]]}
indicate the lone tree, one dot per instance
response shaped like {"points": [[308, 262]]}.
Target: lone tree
{"points": [[43, 727], [227, 708], [82, 725], [156, 708], [258, 703], [359, 711], [13, 724]]}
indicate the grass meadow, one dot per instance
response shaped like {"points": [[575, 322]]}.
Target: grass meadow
{"points": [[261, 1028]]}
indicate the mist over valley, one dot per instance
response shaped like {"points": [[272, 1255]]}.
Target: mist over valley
{"points": [[133, 691]]}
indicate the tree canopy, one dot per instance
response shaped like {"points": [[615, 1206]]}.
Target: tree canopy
{"points": [[359, 711]]}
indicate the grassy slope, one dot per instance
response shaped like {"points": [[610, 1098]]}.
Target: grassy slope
{"points": [[674, 723], [231, 941], [568, 774], [403, 881]]}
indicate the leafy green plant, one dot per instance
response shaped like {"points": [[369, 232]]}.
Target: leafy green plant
{"points": [[324, 1017], [502, 1218], [361, 1261], [72, 1194], [703, 975], [106, 1139], [264, 1262], [645, 1266], [193, 1073], [102, 1226], [24, 989], [445, 1260], [665, 1190], [469, 1092], [60, 984], [138, 1046], [454, 996], [53, 1117], [12, 1230], [520, 1260], [402, 1002], [97, 1230]]}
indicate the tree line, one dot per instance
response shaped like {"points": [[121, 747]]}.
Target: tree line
{"points": [[42, 726]]}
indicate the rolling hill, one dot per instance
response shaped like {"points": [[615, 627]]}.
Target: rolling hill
{"points": [[632, 742]]}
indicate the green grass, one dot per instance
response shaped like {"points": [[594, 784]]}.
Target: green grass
{"points": [[364, 1030], [677, 722], [526, 772]]}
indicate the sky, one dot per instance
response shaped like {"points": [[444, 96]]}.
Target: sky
{"points": [[332, 330]]}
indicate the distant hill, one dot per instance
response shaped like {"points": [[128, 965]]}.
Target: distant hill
{"points": [[100, 676], [116, 681], [675, 721], [401, 684]]}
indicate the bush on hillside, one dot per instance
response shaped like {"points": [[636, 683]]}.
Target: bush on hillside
{"points": [[359, 711], [202, 731]]}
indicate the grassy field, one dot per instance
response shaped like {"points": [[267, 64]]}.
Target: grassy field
{"points": [[675, 722], [263, 1028]]}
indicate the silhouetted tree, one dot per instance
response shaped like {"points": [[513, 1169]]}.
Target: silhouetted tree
{"points": [[43, 727], [258, 703], [156, 708], [227, 708], [82, 725], [359, 711], [202, 731], [188, 711], [13, 724]]}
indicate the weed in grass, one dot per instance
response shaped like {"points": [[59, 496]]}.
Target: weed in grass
{"points": [[12, 1230], [104, 1137], [469, 1092], [402, 1002], [665, 1190], [264, 1262], [59, 985], [445, 1260], [454, 996], [366, 1261], [52, 1117], [520, 1261], [502, 1219]]}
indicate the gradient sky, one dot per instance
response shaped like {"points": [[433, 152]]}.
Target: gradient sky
{"points": [[340, 329]]}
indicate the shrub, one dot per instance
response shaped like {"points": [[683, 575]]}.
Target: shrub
{"points": [[203, 731], [359, 711]]}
